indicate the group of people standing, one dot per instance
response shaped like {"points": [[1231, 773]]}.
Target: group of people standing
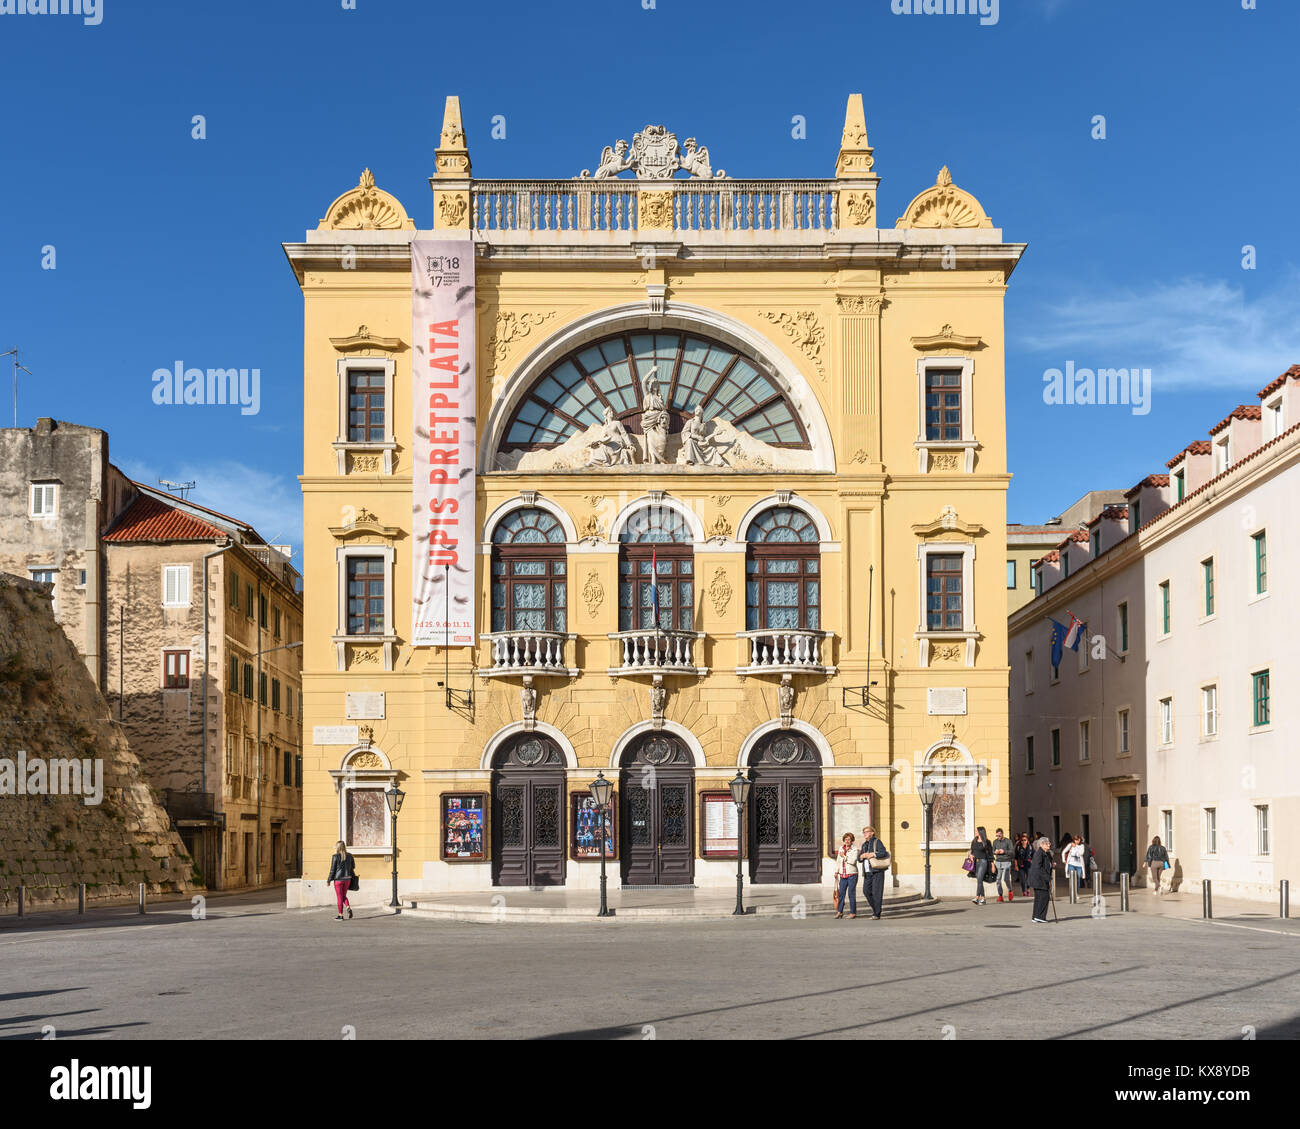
{"points": [[870, 861], [1028, 862]]}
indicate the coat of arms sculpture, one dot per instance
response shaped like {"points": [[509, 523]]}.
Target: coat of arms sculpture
{"points": [[654, 155]]}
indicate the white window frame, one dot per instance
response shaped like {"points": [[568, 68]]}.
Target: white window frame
{"points": [[342, 444], [1163, 586], [1012, 571], [39, 489], [1124, 729], [341, 638], [1085, 740], [1167, 829], [176, 570], [1209, 695], [967, 442], [1210, 831], [1180, 477], [1123, 628], [1252, 549], [1212, 561], [1166, 725], [1274, 412], [1263, 831], [1223, 451], [969, 631], [1083, 656], [34, 570]]}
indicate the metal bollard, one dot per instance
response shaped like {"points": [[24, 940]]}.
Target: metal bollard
{"points": [[1096, 887], [1285, 900], [81, 897], [1074, 888], [142, 897], [22, 899], [1207, 899], [1123, 892]]}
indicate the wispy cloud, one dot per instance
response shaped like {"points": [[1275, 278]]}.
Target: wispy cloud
{"points": [[268, 502], [1191, 333]]}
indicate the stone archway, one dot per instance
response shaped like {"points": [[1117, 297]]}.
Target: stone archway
{"points": [[657, 798], [784, 825], [528, 822]]}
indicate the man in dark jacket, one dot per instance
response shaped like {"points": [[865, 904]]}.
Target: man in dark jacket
{"points": [[1040, 878]]}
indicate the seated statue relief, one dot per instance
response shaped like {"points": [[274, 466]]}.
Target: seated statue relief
{"points": [[699, 448], [613, 446]]}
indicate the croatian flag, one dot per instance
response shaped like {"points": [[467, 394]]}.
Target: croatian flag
{"points": [[1063, 636], [1074, 633], [654, 585]]}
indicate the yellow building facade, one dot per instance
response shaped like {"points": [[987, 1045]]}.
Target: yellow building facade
{"points": [[789, 417]]}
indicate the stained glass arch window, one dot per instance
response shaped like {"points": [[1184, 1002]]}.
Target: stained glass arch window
{"points": [[693, 371], [783, 572], [528, 526]]}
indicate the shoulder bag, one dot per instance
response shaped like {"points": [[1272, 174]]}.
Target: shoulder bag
{"points": [[879, 863]]}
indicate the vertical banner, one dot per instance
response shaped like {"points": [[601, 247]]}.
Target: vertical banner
{"points": [[443, 409]]}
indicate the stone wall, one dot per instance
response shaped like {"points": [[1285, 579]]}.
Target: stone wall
{"points": [[51, 709]]}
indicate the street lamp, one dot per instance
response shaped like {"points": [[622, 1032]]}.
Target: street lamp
{"points": [[928, 790], [395, 796], [601, 791], [739, 793]]}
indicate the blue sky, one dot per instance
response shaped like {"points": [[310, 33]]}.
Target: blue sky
{"points": [[168, 248]]}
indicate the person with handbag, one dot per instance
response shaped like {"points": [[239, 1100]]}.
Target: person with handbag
{"points": [[846, 876], [1075, 860], [1004, 855], [1157, 861], [981, 854], [343, 876], [1040, 878], [875, 865], [1024, 852]]}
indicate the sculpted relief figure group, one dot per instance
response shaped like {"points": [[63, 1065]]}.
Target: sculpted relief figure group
{"points": [[613, 445]]}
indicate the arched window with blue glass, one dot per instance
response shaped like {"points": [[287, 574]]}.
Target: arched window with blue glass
{"points": [[783, 572], [656, 565], [529, 573]]}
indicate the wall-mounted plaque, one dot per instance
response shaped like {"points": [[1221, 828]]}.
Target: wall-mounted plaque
{"points": [[587, 830], [850, 811], [464, 827], [946, 700], [335, 735], [718, 825], [365, 706]]}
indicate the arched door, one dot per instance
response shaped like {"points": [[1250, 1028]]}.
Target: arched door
{"points": [[785, 810], [657, 787], [528, 813]]}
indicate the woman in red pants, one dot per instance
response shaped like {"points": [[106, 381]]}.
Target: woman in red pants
{"points": [[343, 871]]}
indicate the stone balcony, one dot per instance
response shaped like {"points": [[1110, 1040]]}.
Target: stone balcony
{"points": [[785, 652], [656, 653], [529, 653]]}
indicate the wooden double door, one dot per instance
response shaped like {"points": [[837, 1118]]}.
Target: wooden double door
{"points": [[528, 847], [785, 812], [657, 798]]}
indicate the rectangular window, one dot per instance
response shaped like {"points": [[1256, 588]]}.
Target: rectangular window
{"points": [[1056, 748], [1167, 829], [261, 688], [44, 500], [1096, 542], [1207, 575], [288, 769], [81, 578], [297, 770], [176, 670], [249, 754], [176, 586], [275, 620], [1065, 562], [288, 700], [261, 611], [233, 685], [1124, 734], [943, 591], [943, 404], [1085, 740], [1180, 486], [275, 693], [1261, 563], [1135, 515], [1263, 845], [1085, 828], [1029, 672], [248, 681], [234, 589], [1166, 721], [1029, 754], [1222, 455], [248, 601], [1123, 627], [1211, 830], [1164, 608], [365, 405], [230, 753], [365, 595], [1011, 574], [1273, 426], [1259, 692], [1209, 711]]}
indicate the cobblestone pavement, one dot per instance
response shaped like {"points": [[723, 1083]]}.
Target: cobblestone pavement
{"points": [[253, 969]]}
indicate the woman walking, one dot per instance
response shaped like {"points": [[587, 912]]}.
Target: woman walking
{"points": [[1157, 860], [343, 869], [846, 875], [1024, 853], [981, 853], [873, 877], [1075, 860], [1040, 878]]}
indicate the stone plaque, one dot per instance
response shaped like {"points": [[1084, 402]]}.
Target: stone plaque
{"points": [[946, 700], [370, 706], [335, 735]]}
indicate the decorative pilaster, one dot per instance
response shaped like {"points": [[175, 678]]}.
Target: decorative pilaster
{"points": [[860, 362]]}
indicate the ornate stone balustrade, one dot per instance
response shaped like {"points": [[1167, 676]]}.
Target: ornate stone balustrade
{"points": [[620, 205], [786, 651], [650, 652], [528, 652]]}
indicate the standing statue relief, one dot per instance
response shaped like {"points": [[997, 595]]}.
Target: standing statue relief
{"points": [[654, 419]]}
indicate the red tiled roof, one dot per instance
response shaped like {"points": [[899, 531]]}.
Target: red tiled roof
{"points": [[1195, 447], [1150, 480], [1115, 513], [149, 519], [1242, 411], [1052, 556], [1293, 372], [1077, 535]]}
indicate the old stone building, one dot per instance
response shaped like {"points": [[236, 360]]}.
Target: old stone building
{"points": [[662, 474]]}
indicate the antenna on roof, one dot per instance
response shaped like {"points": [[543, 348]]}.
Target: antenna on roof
{"points": [[17, 369], [177, 488]]}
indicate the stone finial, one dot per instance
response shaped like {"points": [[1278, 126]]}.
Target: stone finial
{"points": [[452, 152], [855, 158]]}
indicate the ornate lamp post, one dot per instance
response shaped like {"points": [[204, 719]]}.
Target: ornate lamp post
{"points": [[601, 791], [395, 796], [928, 790], [740, 793]]}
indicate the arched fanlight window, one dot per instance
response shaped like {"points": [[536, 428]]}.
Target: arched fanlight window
{"points": [[529, 573], [692, 371], [783, 572], [656, 565]]}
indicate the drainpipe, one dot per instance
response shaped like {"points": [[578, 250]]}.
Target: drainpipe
{"points": [[223, 545]]}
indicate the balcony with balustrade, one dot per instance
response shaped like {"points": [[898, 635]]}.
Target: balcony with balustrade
{"points": [[533, 653], [785, 651], [656, 653]]}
